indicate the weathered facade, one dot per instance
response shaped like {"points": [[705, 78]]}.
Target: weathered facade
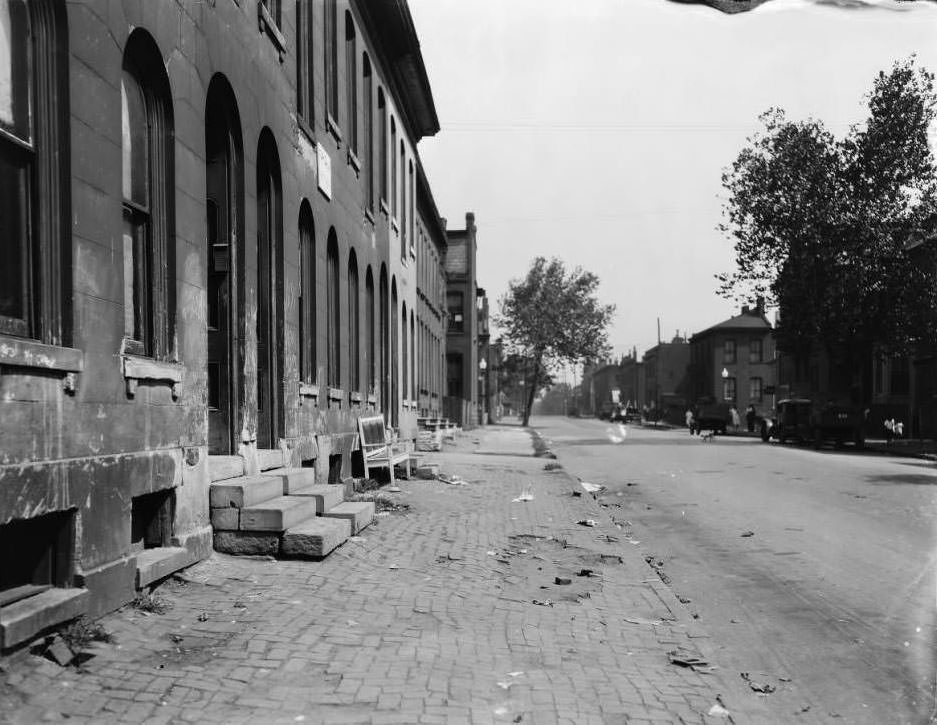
{"points": [[462, 329], [666, 383], [743, 347], [219, 258]]}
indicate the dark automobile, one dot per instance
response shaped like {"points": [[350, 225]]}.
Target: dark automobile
{"points": [[710, 415], [805, 421]]}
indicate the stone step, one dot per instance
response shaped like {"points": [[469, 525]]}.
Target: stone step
{"points": [[326, 495], [29, 617], [156, 564], [359, 513], [427, 471], [315, 538], [293, 479], [268, 458], [278, 514], [226, 519], [224, 467], [244, 491], [247, 543]]}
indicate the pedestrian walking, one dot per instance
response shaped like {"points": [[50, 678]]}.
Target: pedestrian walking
{"points": [[689, 419], [889, 429], [736, 420], [750, 418]]}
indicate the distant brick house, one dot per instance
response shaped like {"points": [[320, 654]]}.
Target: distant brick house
{"points": [[742, 347]]}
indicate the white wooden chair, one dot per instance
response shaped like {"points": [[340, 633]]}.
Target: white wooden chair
{"points": [[376, 450]]}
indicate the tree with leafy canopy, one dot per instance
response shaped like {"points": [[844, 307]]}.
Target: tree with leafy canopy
{"points": [[830, 230], [552, 317]]}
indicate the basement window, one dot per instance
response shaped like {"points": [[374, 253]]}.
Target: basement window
{"points": [[151, 520], [44, 548]]}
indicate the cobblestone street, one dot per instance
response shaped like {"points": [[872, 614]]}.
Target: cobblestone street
{"points": [[454, 608]]}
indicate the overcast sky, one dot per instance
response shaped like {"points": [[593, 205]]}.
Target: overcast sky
{"points": [[597, 130]]}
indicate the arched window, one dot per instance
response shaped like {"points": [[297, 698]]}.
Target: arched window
{"points": [[369, 329], [331, 62], [333, 303], [393, 168], [148, 234], [412, 211], [305, 83], [412, 372], [366, 91], [35, 220], [307, 295], [382, 144], [351, 83], [403, 203], [354, 325], [394, 354]]}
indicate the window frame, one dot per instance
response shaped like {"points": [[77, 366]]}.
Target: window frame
{"points": [[729, 351]]}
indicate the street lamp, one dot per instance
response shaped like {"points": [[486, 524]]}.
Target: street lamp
{"points": [[483, 390]]}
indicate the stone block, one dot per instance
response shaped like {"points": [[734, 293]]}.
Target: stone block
{"points": [[156, 564], [245, 491], [224, 467], [25, 619], [325, 495], [278, 514], [247, 542], [359, 513], [315, 538], [293, 479], [268, 458], [427, 471], [226, 519]]}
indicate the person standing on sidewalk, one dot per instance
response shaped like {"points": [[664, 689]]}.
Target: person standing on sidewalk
{"points": [[750, 418]]}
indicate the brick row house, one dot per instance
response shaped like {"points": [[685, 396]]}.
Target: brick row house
{"points": [[219, 245]]}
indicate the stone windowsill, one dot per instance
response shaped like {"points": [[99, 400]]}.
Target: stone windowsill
{"points": [[385, 210], [268, 25], [306, 129], [372, 399], [17, 352], [331, 126], [336, 394], [307, 390], [137, 368], [393, 225], [369, 215], [354, 396]]}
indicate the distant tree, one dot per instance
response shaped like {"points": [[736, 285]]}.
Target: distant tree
{"points": [[823, 228], [552, 317]]}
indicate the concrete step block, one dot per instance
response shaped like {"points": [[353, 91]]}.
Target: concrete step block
{"points": [[268, 458], [359, 513], [315, 538], [326, 495], [244, 491], [427, 471], [224, 467], [29, 617], [293, 479], [225, 519], [158, 563], [245, 543], [278, 514]]}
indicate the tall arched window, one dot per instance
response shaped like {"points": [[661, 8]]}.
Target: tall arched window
{"points": [[148, 233], [35, 223], [366, 91], [394, 354], [305, 84], [412, 372], [369, 329], [331, 61], [333, 303], [351, 82], [385, 344], [307, 295], [382, 144], [354, 325], [403, 202], [393, 168], [412, 209]]}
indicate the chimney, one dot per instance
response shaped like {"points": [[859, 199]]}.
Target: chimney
{"points": [[760, 305], [744, 309]]}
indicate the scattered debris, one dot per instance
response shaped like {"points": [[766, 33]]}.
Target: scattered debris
{"points": [[641, 620], [393, 489], [585, 572], [682, 658], [81, 632], [525, 495], [551, 466], [784, 679], [445, 558], [747, 533], [684, 600], [451, 480], [562, 580], [56, 650], [587, 522], [150, 602], [763, 687], [592, 488], [718, 710], [543, 603], [203, 617]]}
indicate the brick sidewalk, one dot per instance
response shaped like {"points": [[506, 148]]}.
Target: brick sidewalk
{"points": [[428, 616]]}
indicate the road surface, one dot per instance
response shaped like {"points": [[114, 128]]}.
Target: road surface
{"points": [[814, 571]]}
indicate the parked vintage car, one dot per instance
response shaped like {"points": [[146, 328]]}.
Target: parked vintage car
{"points": [[804, 421], [711, 415]]}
